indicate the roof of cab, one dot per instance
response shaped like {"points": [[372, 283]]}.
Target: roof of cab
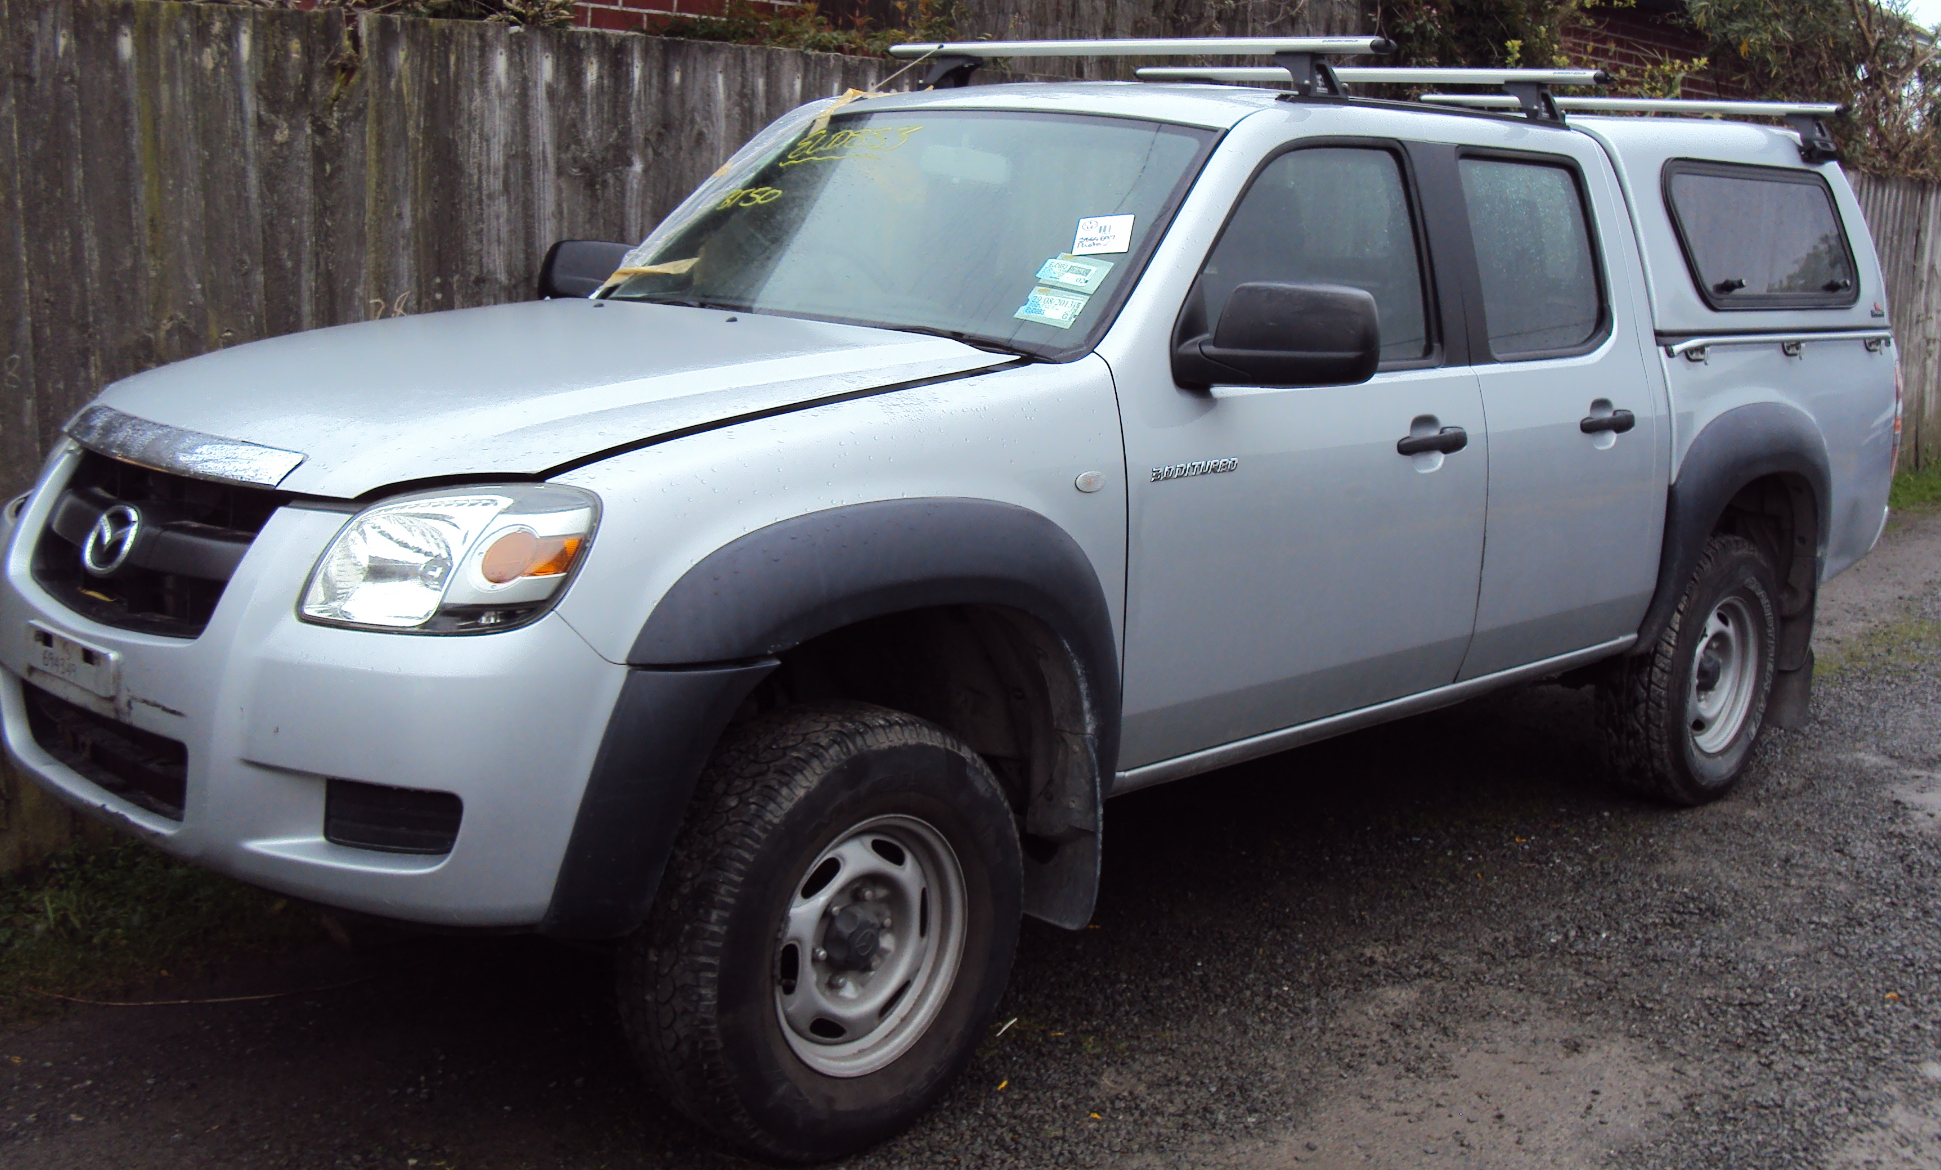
{"points": [[1215, 107]]}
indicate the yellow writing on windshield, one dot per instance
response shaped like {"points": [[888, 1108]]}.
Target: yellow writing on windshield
{"points": [[749, 197], [859, 142]]}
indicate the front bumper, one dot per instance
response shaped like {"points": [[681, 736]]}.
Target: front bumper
{"points": [[270, 708]]}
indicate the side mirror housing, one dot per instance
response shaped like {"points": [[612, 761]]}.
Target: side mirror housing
{"points": [[577, 268], [1273, 334]]}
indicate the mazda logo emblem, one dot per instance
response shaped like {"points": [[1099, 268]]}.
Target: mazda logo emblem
{"points": [[112, 538]]}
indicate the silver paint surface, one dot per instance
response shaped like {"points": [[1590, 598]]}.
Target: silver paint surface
{"points": [[515, 389]]}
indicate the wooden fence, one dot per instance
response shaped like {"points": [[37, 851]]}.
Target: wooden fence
{"points": [[1904, 217], [182, 177]]}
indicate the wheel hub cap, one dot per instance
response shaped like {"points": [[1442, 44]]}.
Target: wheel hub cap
{"points": [[869, 945], [1725, 674]]}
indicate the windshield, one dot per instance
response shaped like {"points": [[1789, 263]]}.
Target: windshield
{"points": [[1012, 230]]}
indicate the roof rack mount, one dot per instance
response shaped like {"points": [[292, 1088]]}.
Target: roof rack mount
{"points": [[1360, 75], [1304, 59], [1807, 119], [1528, 88]]}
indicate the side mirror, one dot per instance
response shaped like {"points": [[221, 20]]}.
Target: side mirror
{"points": [[577, 268], [1273, 334]]}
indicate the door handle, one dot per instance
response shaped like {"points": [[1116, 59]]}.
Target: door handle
{"points": [[1617, 422], [1448, 440]]}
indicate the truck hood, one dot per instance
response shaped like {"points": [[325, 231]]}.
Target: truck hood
{"points": [[516, 389]]}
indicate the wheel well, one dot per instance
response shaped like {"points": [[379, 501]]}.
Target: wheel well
{"points": [[1780, 514], [995, 677]]}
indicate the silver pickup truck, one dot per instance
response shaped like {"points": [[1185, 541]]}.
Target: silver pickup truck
{"points": [[950, 462]]}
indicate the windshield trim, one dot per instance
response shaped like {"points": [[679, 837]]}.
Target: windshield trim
{"points": [[1109, 311]]}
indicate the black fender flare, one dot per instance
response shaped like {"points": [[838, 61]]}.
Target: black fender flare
{"points": [[713, 636], [1737, 447]]}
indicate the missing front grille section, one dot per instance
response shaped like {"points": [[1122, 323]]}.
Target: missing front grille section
{"points": [[391, 820], [142, 768], [190, 536]]}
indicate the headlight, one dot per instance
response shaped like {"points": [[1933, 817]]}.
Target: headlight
{"points": [[462, 561]]}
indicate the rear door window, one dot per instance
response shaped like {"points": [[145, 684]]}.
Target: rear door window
{"points": [[1543, 295], [1760, 237]]}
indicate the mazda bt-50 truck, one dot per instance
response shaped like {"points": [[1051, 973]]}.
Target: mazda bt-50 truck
{"points": [[786, 610]]}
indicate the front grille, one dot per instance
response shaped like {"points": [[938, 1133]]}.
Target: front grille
{"points": [[139, 766], [390, 820], [191, 536]]}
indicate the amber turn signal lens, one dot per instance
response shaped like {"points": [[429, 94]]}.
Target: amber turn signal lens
{"points": [[520, 553]]}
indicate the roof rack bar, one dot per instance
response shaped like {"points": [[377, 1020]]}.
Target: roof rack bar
{"points": [[1151, 47], [1360, 75], [1617, 105]]}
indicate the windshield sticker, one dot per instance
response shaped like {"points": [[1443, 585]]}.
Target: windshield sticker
{"points": [[748, 197], [1049, 306], [1103, 233], [1075, 273], [860, 142]]}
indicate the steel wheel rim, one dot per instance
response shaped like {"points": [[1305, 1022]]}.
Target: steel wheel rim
{"points": [[1725, 671], [869, 945]]}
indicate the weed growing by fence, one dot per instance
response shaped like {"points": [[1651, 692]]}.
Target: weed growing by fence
{"points": [[1917, 489]]}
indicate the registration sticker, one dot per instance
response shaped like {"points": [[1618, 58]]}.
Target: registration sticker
{"points": [[1077, 273], [1049, 306], [1103, 233]]}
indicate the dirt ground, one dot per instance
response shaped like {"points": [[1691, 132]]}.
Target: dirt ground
{"points": [[1442, 942]]}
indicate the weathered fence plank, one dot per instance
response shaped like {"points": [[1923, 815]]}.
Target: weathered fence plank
{"points": [[1905, 217]]}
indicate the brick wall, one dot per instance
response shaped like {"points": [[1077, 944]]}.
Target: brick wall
{"points": [[1637, 40]]}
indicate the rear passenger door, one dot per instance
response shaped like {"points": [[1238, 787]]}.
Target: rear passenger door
{"points": [[1577, 428]]}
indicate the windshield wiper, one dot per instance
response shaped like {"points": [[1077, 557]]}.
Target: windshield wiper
{"points": [[971, 339], [683, 303]]}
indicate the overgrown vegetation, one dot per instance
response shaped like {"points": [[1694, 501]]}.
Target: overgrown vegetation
{"points": [[745, 23], [538, 13], [96, 918], [1867, 55]]}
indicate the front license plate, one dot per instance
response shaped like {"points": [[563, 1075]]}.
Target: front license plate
{"points": [[91, 668]]}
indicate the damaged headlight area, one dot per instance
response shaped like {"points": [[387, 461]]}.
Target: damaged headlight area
{"points": [[462, 561]]}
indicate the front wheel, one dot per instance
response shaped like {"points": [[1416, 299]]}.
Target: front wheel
{"points": [[835, 928], [1679, 721]]}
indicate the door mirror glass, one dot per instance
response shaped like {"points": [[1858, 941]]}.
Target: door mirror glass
{"points": [[577, 268], [1278, 334]]}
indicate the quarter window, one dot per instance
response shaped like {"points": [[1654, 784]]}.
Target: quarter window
{"points": [[1328, 215], [1541, 291], [1760, 237]]}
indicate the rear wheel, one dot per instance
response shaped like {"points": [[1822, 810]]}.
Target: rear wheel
{"points": [[1680, 720], [834, 929]]}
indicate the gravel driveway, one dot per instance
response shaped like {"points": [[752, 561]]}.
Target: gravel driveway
{"points": [[1438, 943]]}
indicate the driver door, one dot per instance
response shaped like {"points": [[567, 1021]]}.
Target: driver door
{"points": [[1299, 566]]}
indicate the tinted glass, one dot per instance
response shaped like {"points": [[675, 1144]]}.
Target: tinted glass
{"points": [[1328, 216], [1533, 246], [949, 221], [1751, 237]]}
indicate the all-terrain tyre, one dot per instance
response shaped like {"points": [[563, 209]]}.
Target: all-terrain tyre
{"points": [[832, 934], [1679, 720]]}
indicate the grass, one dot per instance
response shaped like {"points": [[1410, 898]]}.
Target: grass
{"points": [[1916, 490], [96, 918]]}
